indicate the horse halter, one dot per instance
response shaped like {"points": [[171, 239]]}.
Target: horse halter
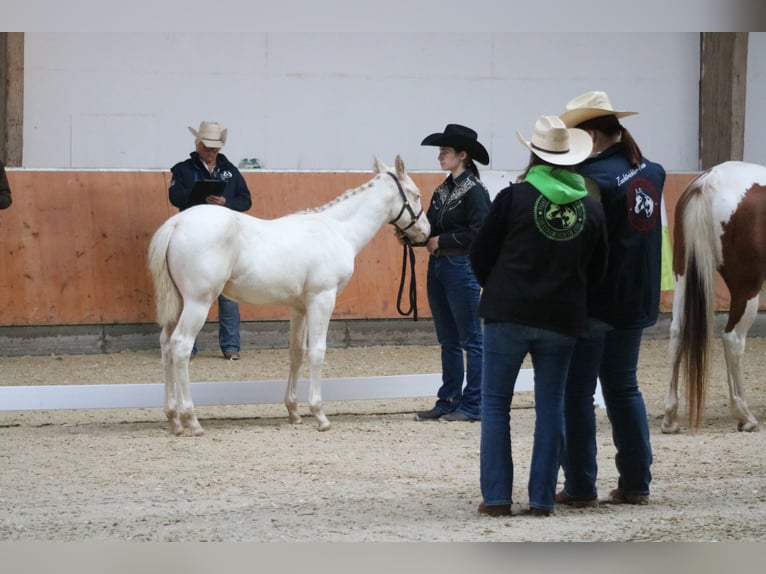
{"points": [[405, 207]]}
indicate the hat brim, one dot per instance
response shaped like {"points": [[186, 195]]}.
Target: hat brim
{"points": [[210, 143], [574, 118], [580, 146], [477, 151]]}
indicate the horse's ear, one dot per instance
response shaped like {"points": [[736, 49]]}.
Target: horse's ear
{"points": [[378, 165], [399, 163]]}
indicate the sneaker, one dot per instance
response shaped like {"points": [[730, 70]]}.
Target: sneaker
{"points": [[576, 501], [620, 496], [431, 415], [457, 416], [495, 509], [231, 356]]}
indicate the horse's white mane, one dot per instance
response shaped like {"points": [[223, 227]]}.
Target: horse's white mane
{"points": [[342, 197]]}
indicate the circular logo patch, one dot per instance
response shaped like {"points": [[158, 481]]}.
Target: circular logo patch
{"points": [[643, 204], [559, 222]]}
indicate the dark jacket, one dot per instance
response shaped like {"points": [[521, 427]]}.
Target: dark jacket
{"points": [[457, 211], [535, 259], [629, 296], [5, 189], [187, 172]]}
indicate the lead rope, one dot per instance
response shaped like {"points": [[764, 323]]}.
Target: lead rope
{"points": [[413, 310]]}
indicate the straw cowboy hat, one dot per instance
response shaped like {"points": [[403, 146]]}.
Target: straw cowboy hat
{"points": [[460, 138], [588, 106], [210, 134], [554, 143]]}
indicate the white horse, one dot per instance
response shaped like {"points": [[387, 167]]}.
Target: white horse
{"points": [[719, 226], [302, 260]]}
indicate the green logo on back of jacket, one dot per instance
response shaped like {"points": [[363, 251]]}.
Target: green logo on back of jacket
{"points": [[559, 222]]}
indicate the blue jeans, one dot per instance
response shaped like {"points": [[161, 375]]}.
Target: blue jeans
{"points": [[611, 355], [228, 326], [453, 295], [505, 346]]}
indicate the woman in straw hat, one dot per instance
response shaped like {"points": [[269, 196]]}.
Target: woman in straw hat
{"points": [[456, 212], [543, 242], [207, 162], [619, 308]]}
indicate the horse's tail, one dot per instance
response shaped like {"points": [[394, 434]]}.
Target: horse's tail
{"points": [[168, 299], [693, 232]]}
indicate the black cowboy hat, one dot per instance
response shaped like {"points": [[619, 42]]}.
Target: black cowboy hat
{"points": [[460, 138]]}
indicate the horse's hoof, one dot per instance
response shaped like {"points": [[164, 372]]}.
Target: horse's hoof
{"points": [[324, 427], [295, 419], [670, 428], [748, 426], [198, 431]]}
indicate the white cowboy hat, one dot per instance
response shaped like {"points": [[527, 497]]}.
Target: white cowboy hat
{"points": [[588, 106], [210, 134], [554, 143]]}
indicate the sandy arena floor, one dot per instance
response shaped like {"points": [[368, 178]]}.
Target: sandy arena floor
{"points": [[378, 475]]}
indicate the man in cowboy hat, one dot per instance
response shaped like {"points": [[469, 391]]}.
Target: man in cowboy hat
{"points": [[543, 243], [205, 163]]}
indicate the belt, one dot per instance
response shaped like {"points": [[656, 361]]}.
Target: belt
{"points": [[447, 252]]}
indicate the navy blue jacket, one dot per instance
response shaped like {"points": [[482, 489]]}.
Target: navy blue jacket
{"points": [[629, 296], [187, 172]]}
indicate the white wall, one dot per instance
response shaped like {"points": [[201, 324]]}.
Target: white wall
{"points": [[325, 101]]}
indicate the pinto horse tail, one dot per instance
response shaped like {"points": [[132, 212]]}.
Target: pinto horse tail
{"points": [[695, 223], [168, 299]]}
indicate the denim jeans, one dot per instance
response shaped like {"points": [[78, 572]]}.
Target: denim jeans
{"points": [[453, 295], [611, 355], [505, 346], [228, 326]]}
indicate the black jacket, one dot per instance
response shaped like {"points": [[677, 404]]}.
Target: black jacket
{"points": [[5, 189], [457, 210], [534, 276]]}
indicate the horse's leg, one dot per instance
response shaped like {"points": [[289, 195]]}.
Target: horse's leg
{"points": [[181, 343], [171, 398], [670, 419], [318, 317], [297, 350], [734, 338]]}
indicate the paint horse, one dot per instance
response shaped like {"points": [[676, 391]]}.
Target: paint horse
{"points": [[302, 260], [720, 225]]}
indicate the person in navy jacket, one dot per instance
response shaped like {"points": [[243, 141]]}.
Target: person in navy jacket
{"points": [[619, 308], [204, 163]]}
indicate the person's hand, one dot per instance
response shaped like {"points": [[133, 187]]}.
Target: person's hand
{"points": [[433, 245], [216, 199]]}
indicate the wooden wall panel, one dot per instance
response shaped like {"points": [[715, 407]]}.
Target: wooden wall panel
{"points": [[73, 245]]}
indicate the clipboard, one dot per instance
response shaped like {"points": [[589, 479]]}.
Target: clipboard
{"points": [[205, 187]]}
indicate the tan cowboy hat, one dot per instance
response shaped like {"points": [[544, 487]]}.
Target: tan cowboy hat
{"points": [[210, 134], [588, 106], [460, 138], [554, 143]]}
